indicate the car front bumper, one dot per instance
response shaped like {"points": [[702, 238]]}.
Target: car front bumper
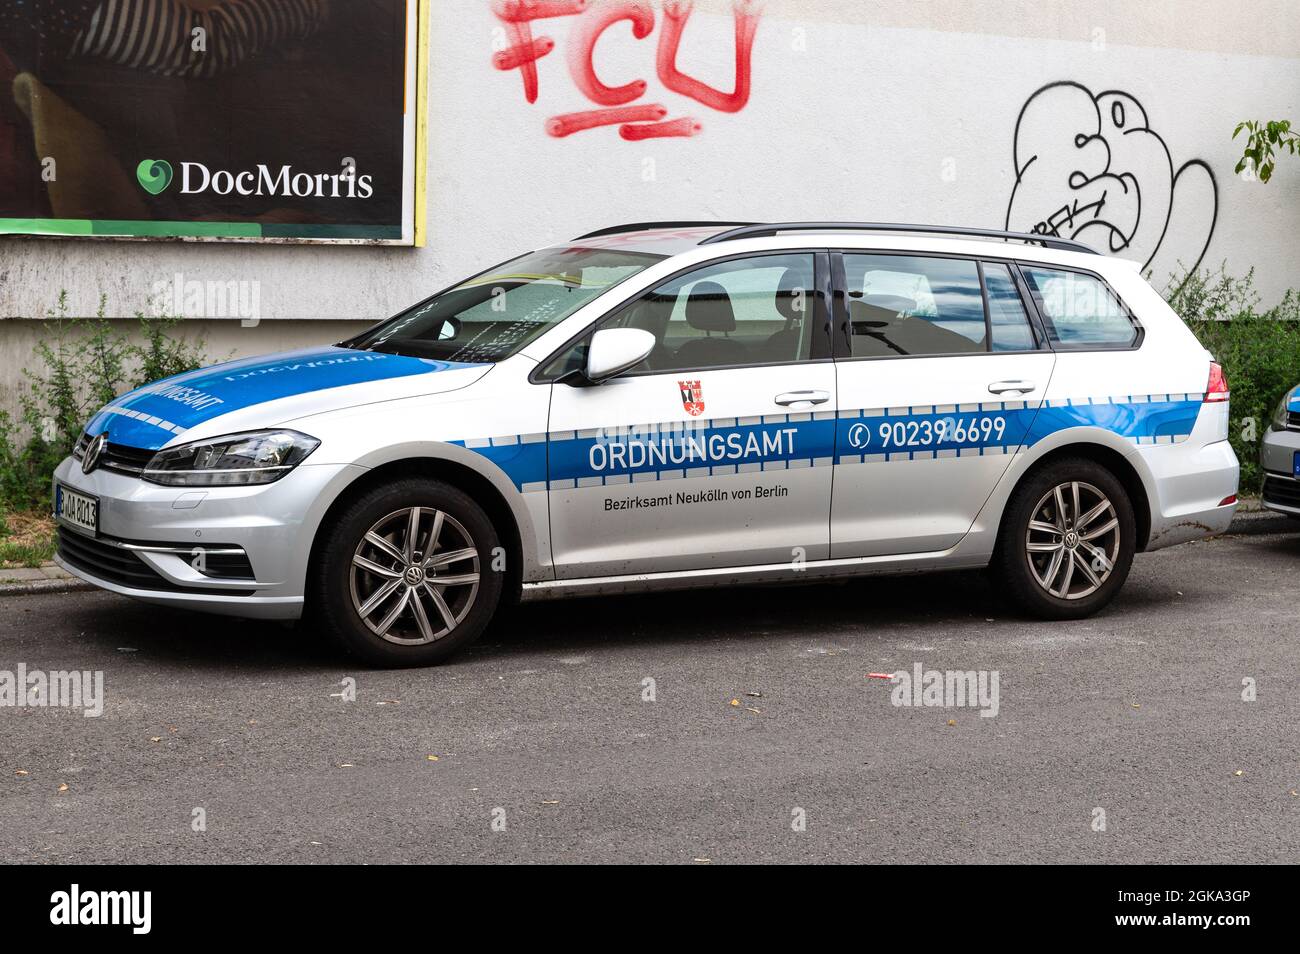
{"points": [[1277, 456], [176, 545]]}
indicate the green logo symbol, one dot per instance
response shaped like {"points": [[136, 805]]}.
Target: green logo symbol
{"points": [[155, 175]]}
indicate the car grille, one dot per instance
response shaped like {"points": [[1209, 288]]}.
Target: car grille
{"points": [[1282, 491], [1293, 420], [119, 458], [105, 560]]}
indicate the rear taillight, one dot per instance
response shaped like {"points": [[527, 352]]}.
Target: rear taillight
{"points": [[1217, 388]]}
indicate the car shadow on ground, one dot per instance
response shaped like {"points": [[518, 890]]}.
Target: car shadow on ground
{"points": [[816, 610], [820, 610], [186, 639], [1283, 544]]}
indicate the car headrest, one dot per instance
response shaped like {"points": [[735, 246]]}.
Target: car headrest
{"points": [[788, 292], [708, 308], [895, 303]]}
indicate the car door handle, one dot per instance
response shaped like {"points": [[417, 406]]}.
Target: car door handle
{"points": [[802, 397], [1020, 387]]}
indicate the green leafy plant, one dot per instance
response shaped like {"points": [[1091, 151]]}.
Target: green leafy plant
{"points": [[1261, 140], [162, 353], [1259, 349], [80, 365]]}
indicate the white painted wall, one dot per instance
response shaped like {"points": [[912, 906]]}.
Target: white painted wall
{"points": [[882, 111]]}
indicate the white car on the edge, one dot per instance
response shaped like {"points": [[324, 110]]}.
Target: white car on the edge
{"points": [[672, 405]]}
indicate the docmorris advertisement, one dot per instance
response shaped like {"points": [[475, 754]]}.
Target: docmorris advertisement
{"points": [[224, 119]]}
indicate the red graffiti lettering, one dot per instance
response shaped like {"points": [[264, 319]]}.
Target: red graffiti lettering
{"points": [[634, 122], [514, 57], [521, 38], [523, 51], [582, 42], [745, 14], [686, 126], [560, 126], [518, 11]]}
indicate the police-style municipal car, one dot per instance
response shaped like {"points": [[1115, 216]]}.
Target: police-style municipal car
{"points": [[672, 405]]}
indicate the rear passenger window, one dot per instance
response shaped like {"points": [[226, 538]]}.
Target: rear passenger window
{"points": [[1080, 311], [1008, 323], [908, 305]]}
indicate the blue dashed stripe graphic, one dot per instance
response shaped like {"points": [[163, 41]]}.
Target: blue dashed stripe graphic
{"points": [[673, 450]]}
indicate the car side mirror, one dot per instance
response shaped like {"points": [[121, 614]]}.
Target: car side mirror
{"points": [[614, 350]]}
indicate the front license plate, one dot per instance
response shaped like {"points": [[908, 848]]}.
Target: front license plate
{"points": [[1295, 464], [77, 510]]}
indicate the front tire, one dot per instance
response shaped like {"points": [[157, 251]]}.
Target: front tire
{"points": [[1067, 540], [407, 574]]}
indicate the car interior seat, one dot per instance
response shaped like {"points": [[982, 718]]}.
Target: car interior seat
{"points": [[709, 309], [791, 290]]}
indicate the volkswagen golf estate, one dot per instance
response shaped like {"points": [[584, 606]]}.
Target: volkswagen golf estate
{"points": [[672, 405]]}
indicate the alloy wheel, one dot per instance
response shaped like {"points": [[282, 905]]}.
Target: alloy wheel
{"points": [[414, 575], [1073, 540]]}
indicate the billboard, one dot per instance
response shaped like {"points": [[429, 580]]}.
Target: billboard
{"points": [[253, 120]]}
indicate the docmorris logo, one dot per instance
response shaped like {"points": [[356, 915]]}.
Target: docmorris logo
{"points": [[155, 175]]}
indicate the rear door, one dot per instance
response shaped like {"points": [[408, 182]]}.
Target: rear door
{"points": [[717, 451], [941, 371]]}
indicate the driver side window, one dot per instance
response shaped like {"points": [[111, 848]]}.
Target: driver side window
{"points": [[749, 311]]}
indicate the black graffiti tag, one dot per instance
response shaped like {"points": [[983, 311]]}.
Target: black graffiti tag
{"points": [[1091, 167]]}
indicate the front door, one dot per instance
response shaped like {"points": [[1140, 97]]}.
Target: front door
{"points": [[717, 451]]}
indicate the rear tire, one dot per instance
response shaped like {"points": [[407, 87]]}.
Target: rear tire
{"points": [[1067, 540], [406, 575]]}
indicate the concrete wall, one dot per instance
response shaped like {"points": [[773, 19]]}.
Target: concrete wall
{"points": [[890, 110]]}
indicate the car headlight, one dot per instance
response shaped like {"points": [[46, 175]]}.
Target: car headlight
{"points": [[1278, 423], [258, 457]]}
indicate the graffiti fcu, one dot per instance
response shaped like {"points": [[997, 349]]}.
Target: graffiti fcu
{"points": [[197, 178], [74, 907]]}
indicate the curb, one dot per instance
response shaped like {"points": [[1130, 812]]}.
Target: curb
{"points": [[33, 587], [1260, 522]]}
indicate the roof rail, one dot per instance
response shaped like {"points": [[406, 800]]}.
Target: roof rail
{"points": [[752, 231], [646, 226]]}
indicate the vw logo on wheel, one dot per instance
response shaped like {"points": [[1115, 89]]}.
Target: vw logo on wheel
{"points": [[90, 459]]}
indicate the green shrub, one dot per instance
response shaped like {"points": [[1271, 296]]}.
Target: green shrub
{"points": [[1259, 349], [79, 365]]}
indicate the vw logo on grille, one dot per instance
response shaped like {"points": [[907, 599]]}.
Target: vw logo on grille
{"points": [[90, 459]]}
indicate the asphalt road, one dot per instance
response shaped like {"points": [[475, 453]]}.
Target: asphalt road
{"points": [[543, 726]]}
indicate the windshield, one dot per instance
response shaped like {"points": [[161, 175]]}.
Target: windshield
{"points": [[493, 315]]}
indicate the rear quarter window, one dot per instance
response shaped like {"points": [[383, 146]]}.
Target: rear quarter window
{"points": [[1080, 310]]}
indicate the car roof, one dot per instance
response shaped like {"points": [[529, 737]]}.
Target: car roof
{"points": [[658, 241], [713, 240]]}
